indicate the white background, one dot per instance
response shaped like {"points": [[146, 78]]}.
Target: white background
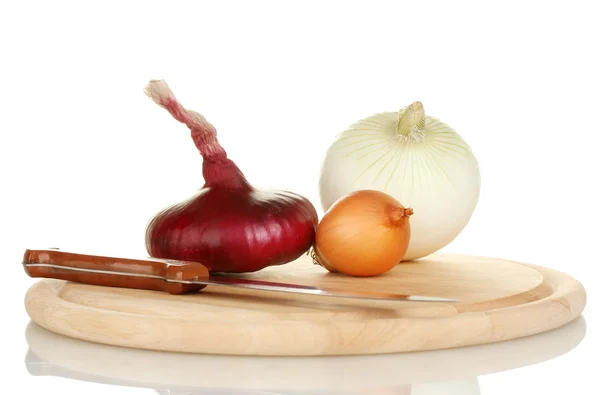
{"points": [[87, 158]]}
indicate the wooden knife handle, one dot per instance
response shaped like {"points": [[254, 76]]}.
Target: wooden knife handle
{"points": [[151, 273]]}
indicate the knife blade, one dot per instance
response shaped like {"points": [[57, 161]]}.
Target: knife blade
{"points": [[173, 276]]}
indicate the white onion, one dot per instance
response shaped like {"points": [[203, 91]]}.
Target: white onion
{"points": [[415, 158]]}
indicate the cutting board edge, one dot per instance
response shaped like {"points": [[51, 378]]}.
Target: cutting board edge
{"points": [[563, 306], [181, 369]]}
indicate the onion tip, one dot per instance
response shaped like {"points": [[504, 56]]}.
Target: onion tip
{"points": [[411, 118], [158, 91], [398, 214]]}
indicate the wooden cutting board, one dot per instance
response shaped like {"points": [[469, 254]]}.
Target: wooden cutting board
{"points": [[500, 300]]}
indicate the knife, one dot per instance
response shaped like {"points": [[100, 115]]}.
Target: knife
{"points": [[173, 276]]}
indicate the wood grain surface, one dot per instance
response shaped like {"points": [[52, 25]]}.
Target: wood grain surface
{"points": [[500, 300]]}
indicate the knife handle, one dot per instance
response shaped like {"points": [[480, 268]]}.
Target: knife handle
{"points": [[150, 274]]}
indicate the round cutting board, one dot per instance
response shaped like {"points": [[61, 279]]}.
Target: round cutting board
{"points": [[499, 300]]}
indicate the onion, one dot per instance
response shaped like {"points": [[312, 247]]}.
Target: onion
{"points": [[415, 158], [228, 225], [365, 233]]}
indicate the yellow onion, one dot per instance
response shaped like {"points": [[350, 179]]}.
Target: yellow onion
{"points": [[365, 233]]}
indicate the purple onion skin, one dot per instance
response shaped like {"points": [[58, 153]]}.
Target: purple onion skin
{"points": [[228, 225], [234, 231]]}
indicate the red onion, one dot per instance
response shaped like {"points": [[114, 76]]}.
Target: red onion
{"points": [[228, 225]]}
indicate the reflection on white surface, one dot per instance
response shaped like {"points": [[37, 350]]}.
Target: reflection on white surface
{"points": [[441, 372]]}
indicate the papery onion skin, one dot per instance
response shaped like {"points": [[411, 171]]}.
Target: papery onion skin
{"points": [[227, 225], [365, 233], [233, 232], [417, 159]]}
